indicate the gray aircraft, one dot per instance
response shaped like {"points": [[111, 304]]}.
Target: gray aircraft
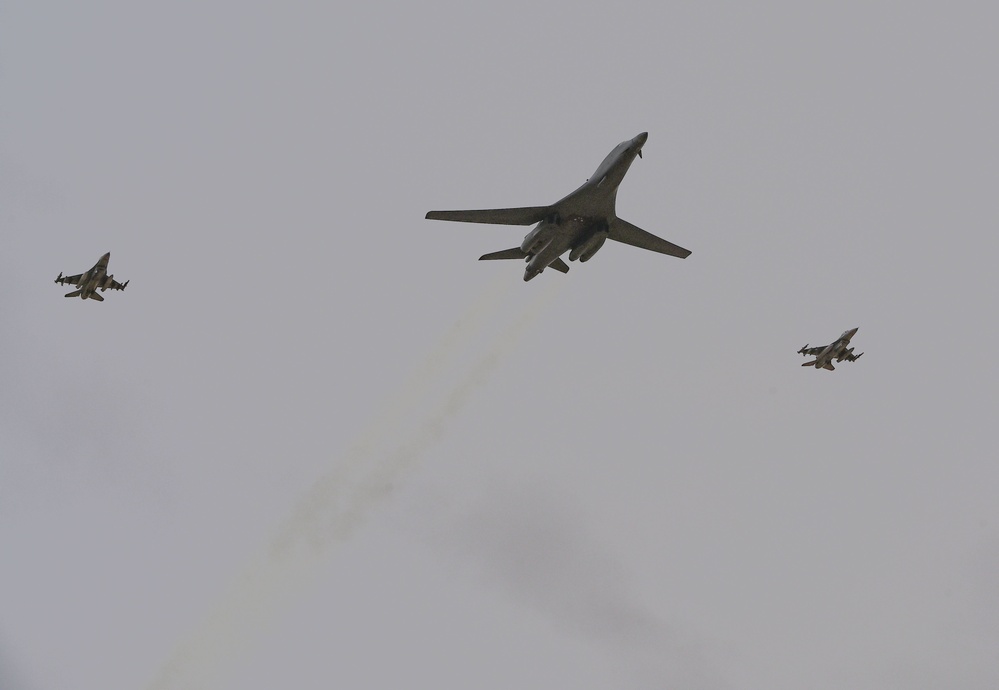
{"points": [[838, 351], [89, 282], [579, 223]]}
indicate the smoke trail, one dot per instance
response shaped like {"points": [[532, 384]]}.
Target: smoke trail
{"points": [[423, 376], [329, 513], [325, 523]]}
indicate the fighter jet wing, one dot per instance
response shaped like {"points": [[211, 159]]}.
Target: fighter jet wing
{"points": [[623, 231], [497, 216], [70, 280], [812, 350], [111, 284]]}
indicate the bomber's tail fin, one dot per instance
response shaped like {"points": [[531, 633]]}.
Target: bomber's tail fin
{"points": [[559, 265], [75, 293], [515, 253], [518, 253]]}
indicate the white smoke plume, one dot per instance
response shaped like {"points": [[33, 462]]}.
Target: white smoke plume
{"points": [[335, 507]]}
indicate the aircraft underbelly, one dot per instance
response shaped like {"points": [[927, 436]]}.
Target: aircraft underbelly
{"points": [[551, 251]]}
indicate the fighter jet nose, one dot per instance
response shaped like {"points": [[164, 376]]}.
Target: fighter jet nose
{"points": [[642, 138]]}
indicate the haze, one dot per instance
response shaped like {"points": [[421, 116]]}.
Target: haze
{"points": [[317, 444]]}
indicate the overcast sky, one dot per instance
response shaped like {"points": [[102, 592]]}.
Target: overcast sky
{"points": [[316, 444]]}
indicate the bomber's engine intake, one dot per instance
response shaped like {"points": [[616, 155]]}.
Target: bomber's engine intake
{"points": [[590, 246], [535, 240]]}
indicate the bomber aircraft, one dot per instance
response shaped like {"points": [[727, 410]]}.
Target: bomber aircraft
{"points": [[579, 223], [90, 281], [825, 355]]}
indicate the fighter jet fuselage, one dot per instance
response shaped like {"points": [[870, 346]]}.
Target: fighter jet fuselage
{"points": [[835, 351], [579, 223], [89, 282]]}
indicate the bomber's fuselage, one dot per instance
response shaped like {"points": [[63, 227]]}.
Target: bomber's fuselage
{"points": [[579, 222]]}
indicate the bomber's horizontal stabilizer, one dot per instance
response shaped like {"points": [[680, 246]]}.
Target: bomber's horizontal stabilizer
{"points": [[559, 265], [515, 253], [496, 216], [623, 231]]}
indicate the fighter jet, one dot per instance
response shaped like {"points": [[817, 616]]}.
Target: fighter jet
{"points": [[579, 223], [89, 282], [838, 351]]}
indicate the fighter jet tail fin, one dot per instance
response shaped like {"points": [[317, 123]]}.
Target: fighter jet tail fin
{"points": [[810, 364], [829, 366], [515, 253], [94, 295], [496, 216], [75, 293]]}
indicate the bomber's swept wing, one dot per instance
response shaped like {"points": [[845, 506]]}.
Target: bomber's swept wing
{"points": [[70, 280], [623, 231], [497, 216]]}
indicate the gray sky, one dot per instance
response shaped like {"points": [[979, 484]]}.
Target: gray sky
{"points": [[316, 443]]}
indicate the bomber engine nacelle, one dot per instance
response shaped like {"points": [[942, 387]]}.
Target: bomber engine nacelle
{"points": [[586, 249], [534, 241], [541, 235]]}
